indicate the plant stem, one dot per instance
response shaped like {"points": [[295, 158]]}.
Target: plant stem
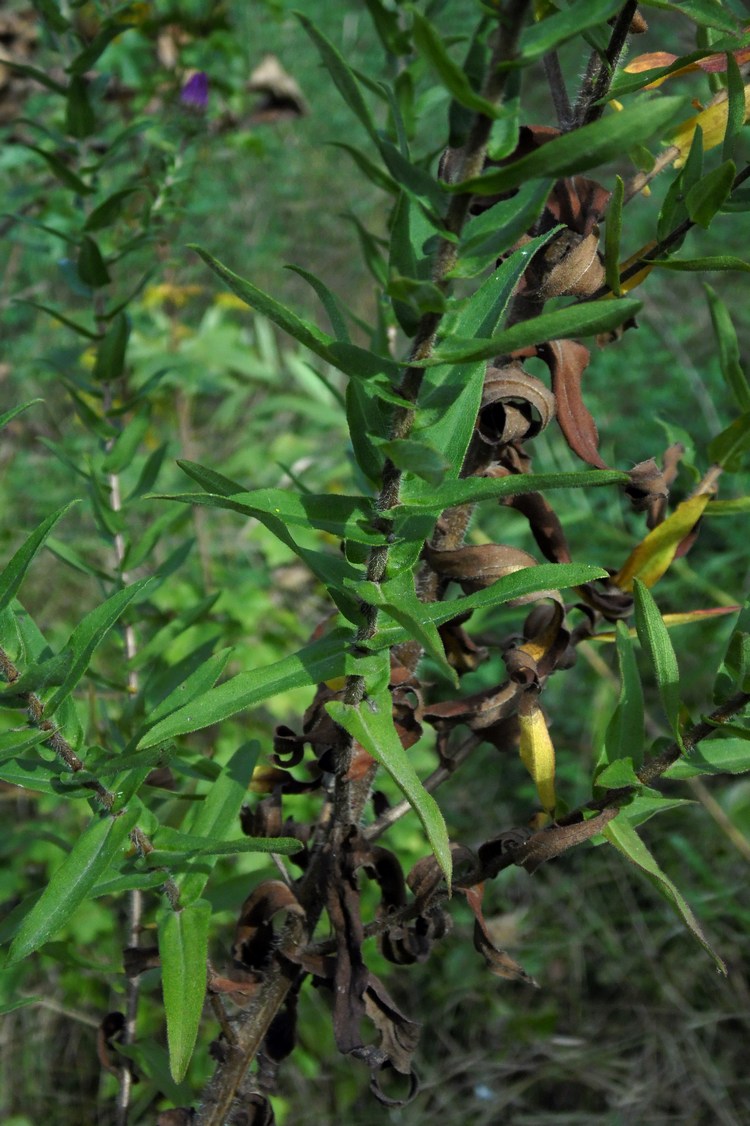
{"points": [[600, 69]]}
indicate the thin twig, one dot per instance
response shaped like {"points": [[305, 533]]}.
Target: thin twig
{"points": [[558, 90]]}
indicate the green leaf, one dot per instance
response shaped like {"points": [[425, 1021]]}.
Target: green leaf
{"points": [[700, 265], [179, 855], [729, 350], [736, 111], [612, 234], [321, 660], [194, 685], [216, 816], [706, 13], [547, 576], [67, 321], [92, 269], [419, 458], [620, 833], [488, 235], [329, 302], [471, 490], [109, 30], [707, 196], [657, 646], [583, 148], [14, 573], [713, 756], [374, 173], [98, 846], [109, 211], [587, 319], [87, 637], [342, 75], [453, 78], [734, 670], [61, 171], [729, 448], [625, 733], [126, 445], [110, 355], [303, 331], [398, 598], [183, 950], [371, 724], [8, 416], [80, 120], [558, 28]]}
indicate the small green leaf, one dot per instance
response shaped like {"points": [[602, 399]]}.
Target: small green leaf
{"points": [[625, 733], [729, 449], [216, 816], [110, 355], [418, 458], [13, 575], [108, 211], [736, 112], [452, 76], [720, 262], [329, 302], [488, 235], [557, 28], [713, 756], [126, 445], [80, 120], [583, 148], [342, 74], [61, 171], [707, 196], [398, 598], [109, 30], [96, 848], [183, 950], [657, 646], [319, 661], [303, 331], [92, 269], [8, 416], [67, 321], [620, 833], [371, 724], [729, 350], [88, 636]]}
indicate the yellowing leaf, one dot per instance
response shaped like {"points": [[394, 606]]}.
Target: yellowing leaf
{"points": [[642, 274], [653, 555], [537, 752], [671, 621], [713, 122]]}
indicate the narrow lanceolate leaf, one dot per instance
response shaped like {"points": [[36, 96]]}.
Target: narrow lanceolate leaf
{"points": [[343, 76], [261, 302], [561, 26], [583, 148], [88, 636], [625, 732], [183, 949], [371, 724], [14, 573], [11, 414], [216, 816], [453, 76], [398, 597], [537, 752], [575, 320], [653, 556], [320, 660], [729, 350], [730, 447], [706, 197], [469, 490], [657, 645], [620, 833], [99, 845]]}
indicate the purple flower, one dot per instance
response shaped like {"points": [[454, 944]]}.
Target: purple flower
{"points": [[195, 91]]}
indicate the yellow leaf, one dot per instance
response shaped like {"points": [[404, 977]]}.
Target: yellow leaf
{"points": [[537, 752], [671, 621], [653, 555], [713, 122]]}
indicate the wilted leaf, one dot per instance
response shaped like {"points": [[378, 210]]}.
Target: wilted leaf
{"points": [[653, 556], [537, 751]]}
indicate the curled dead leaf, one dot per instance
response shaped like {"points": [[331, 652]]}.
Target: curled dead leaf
{"points": [[515, 404], [567, 361], [570, 265], [499, 962], [477, 566], [255, 934]]}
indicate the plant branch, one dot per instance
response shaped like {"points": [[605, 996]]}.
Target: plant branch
{"points": [[600, 69]]}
